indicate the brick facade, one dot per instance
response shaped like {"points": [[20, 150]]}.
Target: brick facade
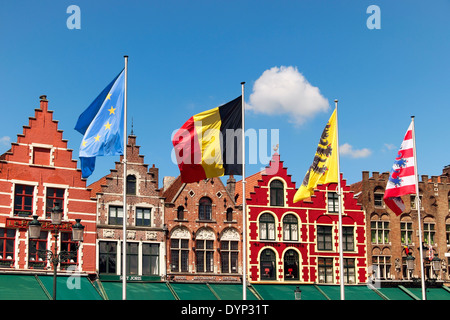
{"points": [[36, 172], [388, 234], [204, 240], [145, 218], [283, 237]]}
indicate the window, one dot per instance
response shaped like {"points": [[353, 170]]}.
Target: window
{"points": [[7, 239], [204, 252], [35, 260], [349, 271], [179, 255], [54, 196], [381, 267], [108, 257], [333, 202], [378, 197], [204, 209], [180, 213], [131, 184], [380, 232], [267, 265], [429, 233], [229, 214], [324, 238], [115, 215], [325, 266], [143, 216], [150, 259], [132, 258], [447, 231], [291, 265], [413, 202], [266, 227], [229, 256], [69, 246], [23, 200], [276, 193], [406, 232], [348, 241], [290, 228]]}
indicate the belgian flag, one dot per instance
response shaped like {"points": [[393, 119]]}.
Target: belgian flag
{"points": [[209, 144]]}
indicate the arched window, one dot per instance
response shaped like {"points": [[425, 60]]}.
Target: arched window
{"points": [[267, 265], [131, 184], [180, 213], [266, 227], [204, 209], [276, 193], [291, 265], [290, 228]]}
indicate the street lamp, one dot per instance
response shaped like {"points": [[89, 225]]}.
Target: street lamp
{"points": [[298, 293], [34, 231], [436, 264], [410, 263]]}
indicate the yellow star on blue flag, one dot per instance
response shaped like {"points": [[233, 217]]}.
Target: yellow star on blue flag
{"points": [[102, 125]]}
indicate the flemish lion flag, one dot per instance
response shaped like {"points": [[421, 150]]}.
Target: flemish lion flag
{"points": [[324, 168], [209, 144]]}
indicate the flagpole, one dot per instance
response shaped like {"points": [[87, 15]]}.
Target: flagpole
{"points": [[244, 216], [341, 254], [124, 219], [418, 204]]}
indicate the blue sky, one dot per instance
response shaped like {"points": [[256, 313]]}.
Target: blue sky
{"points": [[189, 56]]}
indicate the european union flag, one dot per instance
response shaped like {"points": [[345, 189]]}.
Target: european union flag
{"points": [[102, 125]]}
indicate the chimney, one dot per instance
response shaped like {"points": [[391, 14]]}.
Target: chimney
{"points": [[44, 103], [231, 185]]}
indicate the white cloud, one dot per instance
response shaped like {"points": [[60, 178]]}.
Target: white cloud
{"points": [[5, 140], [285, 90], [347, 150]]}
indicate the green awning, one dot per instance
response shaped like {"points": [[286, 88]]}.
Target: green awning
{"points": [[73, 287], [286, 292], [191, 291], [351, 292], [431, 293], [230, 291], [138, 291], [395, 294], [21, 287]]}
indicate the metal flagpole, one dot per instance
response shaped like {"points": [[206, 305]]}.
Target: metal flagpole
{"points": [[339, 193], [418, 204], [244, 216], [124, 218]]}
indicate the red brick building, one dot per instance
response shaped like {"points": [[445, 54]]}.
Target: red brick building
{"points": [[388, 235], [204, 240], [145, 219], [298, 242], [37, 172]]}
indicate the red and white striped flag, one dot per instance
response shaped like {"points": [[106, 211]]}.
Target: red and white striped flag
{"points": [[402, 179]]}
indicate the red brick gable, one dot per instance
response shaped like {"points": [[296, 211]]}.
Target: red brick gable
{"points": [[41, 160]]}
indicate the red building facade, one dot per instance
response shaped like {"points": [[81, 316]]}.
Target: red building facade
{"points": [[204, 239], [298, 242], [35, 174]]}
